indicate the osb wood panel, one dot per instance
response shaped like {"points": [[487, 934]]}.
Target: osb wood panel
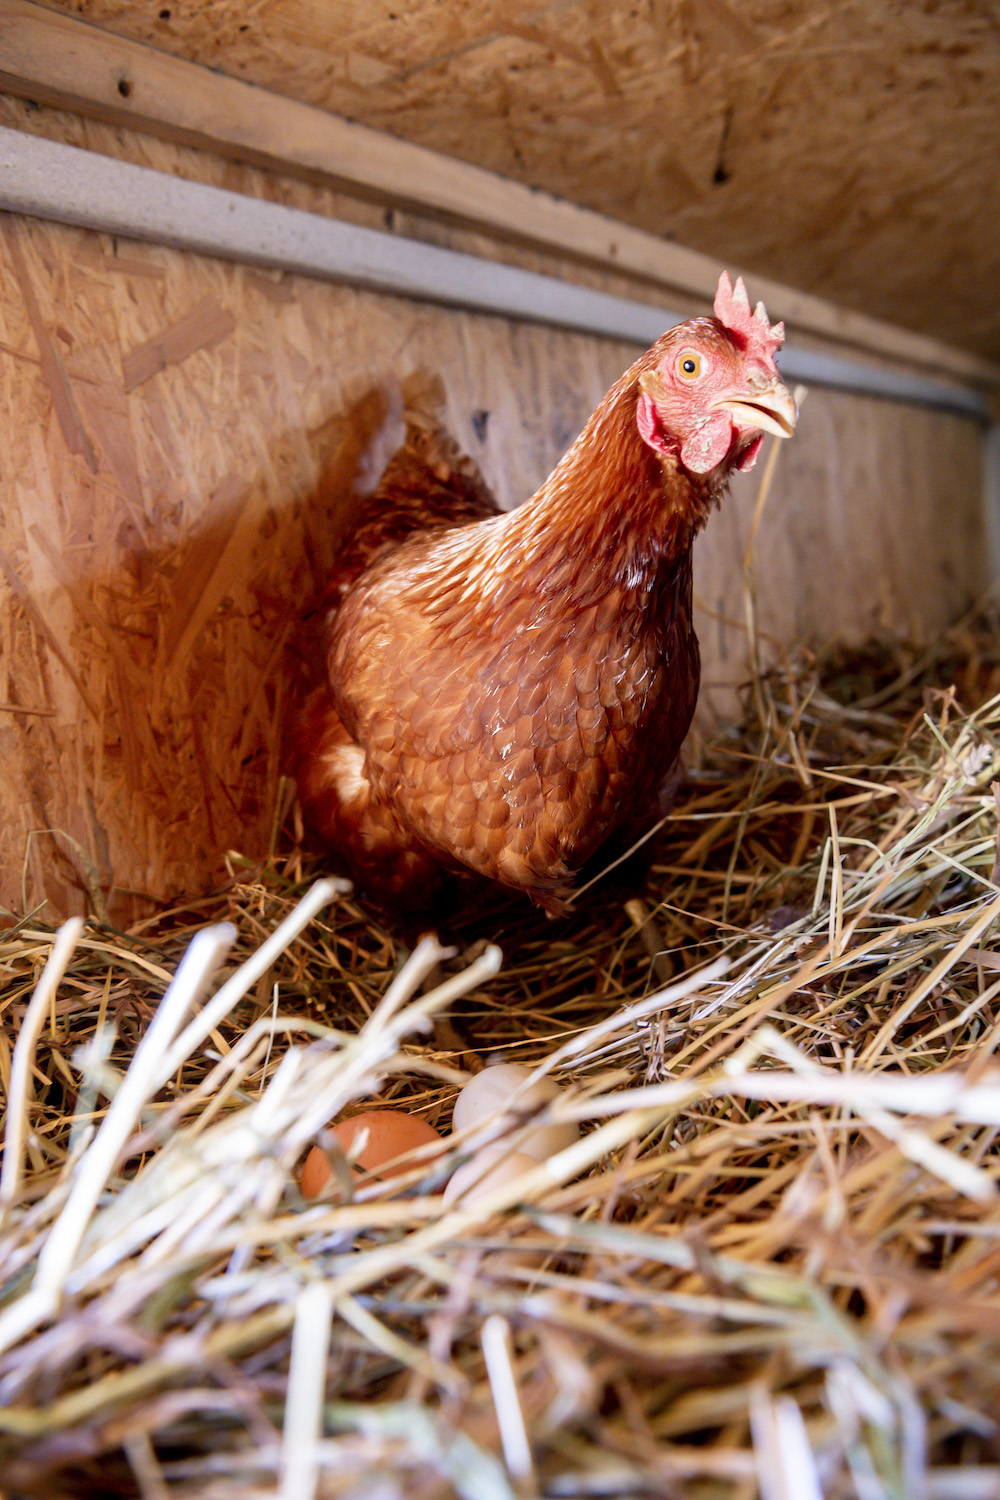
{"points": [[848, 150], [203, 166], [873, 527], [166, 421], [55, 59]]}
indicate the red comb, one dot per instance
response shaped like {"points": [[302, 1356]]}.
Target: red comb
{"points": [[732, 308]]}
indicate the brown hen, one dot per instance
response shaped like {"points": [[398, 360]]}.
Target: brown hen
{"points": [[507, 690]]}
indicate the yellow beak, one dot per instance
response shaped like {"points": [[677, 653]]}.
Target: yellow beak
{"points": [[768, 410]]}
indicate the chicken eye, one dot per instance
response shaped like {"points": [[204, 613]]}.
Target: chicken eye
{"points": [[689, 365]]}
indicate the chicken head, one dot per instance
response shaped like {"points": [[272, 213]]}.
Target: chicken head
{"points": [[713, 389]]}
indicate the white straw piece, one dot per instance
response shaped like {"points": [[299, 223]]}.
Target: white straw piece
{"points": [[510, 1418], [303, 1427], [786, 1468], [672, 994], [428, 952], [317, 896], [140, 1083], [24, 1055]]}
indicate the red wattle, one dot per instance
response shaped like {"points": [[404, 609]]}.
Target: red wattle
{"points": [[751, 454], [705, 448]]}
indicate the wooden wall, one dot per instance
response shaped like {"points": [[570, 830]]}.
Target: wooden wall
{"points": [[848, 150], [166, 420]]}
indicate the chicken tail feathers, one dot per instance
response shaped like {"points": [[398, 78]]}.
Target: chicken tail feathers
{"points": [[429, 483]]}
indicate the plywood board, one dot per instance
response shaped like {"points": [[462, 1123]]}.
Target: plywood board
{"points": [[847, 150], [62, 61]]}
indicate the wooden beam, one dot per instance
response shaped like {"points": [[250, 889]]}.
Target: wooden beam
{"points": [[51, 180], [58, 60]]}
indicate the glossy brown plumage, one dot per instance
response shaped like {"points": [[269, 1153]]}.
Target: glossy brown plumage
{"points": [[508, 690]]}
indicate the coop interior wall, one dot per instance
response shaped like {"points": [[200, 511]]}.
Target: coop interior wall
{"points": [[847, 150], [184, 444]]}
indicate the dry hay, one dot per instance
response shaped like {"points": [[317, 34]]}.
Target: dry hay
{"points": [[769, 1266]]}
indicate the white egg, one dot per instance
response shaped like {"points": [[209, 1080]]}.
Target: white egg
{"points": [[546, 1140], [494, 1088], [488, 1170]]}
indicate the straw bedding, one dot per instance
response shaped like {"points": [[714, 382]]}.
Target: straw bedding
{"points": [[768, 1267]]}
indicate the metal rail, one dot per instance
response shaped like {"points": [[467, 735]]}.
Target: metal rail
{"points": [[49, 180]]}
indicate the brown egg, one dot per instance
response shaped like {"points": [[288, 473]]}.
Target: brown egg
{"points": [[390, 1133]]}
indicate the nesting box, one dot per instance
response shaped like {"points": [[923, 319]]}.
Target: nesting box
{"points": [[214, 288]]}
